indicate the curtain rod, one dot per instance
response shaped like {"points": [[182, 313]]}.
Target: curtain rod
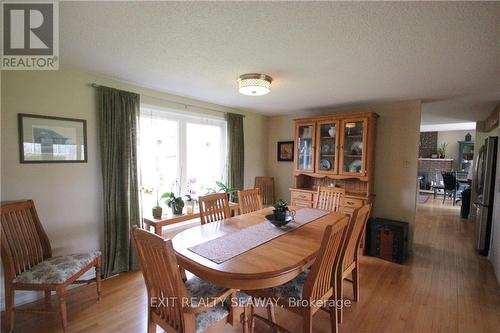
{"points": [[185, 105]]}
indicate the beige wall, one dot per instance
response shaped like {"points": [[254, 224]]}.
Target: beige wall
{"points": [[398, 135], [68, 196], [452, 138]]}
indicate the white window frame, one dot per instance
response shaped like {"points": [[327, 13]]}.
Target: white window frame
{"points": [[183, 118]]}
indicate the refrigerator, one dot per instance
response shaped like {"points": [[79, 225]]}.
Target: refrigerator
{"points": [[485, 190]]}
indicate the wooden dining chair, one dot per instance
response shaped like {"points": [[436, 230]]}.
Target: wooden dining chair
{"points": [[28, 263], [176, 305], [350, 265], [214, 207], [249, 200], [266, 186], [314, 286], [329, 198]]}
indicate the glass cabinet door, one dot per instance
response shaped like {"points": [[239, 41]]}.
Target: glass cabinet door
{"points": [[327, 147], [304, 149], [353, 147]]}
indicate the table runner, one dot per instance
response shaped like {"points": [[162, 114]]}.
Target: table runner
{"points": [[233, 244]]}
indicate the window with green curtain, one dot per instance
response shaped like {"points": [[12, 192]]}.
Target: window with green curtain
{"points": [[118, 124], [236, 151]]}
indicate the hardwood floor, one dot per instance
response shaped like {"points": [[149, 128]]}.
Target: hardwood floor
{"points": [[443, 287]]}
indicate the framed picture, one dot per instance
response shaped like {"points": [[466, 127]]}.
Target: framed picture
{"points": [[285, 151], [44, 139]]}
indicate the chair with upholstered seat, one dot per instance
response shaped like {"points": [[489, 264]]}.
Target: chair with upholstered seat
{"points": [[329, 198], [314, 286], [28, 263], [249, 200], [214, 207], [266, 186], [350, 264], [175, 305]]}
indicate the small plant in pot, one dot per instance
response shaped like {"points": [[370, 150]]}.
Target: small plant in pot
{"points": [[280, 210], [221, 188], [157, 209], [175, 203]]}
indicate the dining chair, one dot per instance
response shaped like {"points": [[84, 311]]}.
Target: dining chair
{"points": [[312, 288], [266, 186], [28, 263], [329, 198], [214, 207], [450, 186], [249, 200], [350, 265], [175, 305]]}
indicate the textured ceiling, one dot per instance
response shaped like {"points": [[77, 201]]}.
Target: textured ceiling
{"points": [[319, 53]]}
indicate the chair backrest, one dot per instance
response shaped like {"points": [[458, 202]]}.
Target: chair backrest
{"points": [[266, 186], [249, 200], [164, 284], [214, 207], [24, 243], [438, 177], [357, 224], [329, 198], [319, 282], [450, 180]]}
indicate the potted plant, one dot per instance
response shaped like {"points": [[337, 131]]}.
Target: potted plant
{"points": [[190, 203], [442, 150], [221, 188], [157, 209], [175, 203], [280, 210]]}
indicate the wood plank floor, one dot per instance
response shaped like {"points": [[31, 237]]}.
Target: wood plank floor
{"points": [[444, 287]]}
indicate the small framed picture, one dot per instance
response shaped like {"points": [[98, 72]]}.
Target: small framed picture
{"points": [[285, 151], [44, 139]]}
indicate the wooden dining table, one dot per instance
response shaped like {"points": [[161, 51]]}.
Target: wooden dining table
{"points": [[266, 265]]}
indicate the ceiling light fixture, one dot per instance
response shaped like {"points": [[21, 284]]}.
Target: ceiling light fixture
{"points": [[254, 84]]}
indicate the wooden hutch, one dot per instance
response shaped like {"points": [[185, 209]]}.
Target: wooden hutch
{"points": [[335, 150]]}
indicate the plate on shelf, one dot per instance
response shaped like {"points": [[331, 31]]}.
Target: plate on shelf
{"points": [[325, 164], [355, 166], [356, 148]]}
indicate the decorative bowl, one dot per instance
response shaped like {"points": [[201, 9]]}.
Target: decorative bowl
{"points": [[279, 223]]}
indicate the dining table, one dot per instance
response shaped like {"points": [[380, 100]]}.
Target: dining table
{"points": [[271, 263]]}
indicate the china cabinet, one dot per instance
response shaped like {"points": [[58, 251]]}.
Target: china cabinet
{"points": [[335, 150]]}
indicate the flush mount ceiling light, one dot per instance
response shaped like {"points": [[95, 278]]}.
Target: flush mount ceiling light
{"points": [[254, 84]]}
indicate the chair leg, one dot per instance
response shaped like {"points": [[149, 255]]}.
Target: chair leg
{"points": [[61, 293], [355, 282], [9, 308], [271, 316], [98, 278], [308, 327], [340, 296], [48, 295], [252, 318], [333, 317], [245, 319], [151, 323]]}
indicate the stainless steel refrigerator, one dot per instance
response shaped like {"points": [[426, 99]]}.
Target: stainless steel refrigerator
{"points": [[485, 190]]}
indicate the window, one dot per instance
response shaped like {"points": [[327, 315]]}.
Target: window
{"points": [[180, 153]]}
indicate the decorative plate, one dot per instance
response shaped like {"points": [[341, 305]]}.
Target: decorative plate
{"points": [[356, 148], [325, 148], [355, 166], [277, 223], [325, 164]]}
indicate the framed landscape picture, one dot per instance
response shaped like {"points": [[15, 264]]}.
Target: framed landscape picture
{"points": [[44, 139], [285, 151]]}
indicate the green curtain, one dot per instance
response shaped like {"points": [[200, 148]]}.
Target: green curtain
{"points": [[118, 121], [236, 153]]}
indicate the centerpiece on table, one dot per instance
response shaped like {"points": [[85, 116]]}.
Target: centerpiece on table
{"points": [[282, 215], [175, 203]]}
